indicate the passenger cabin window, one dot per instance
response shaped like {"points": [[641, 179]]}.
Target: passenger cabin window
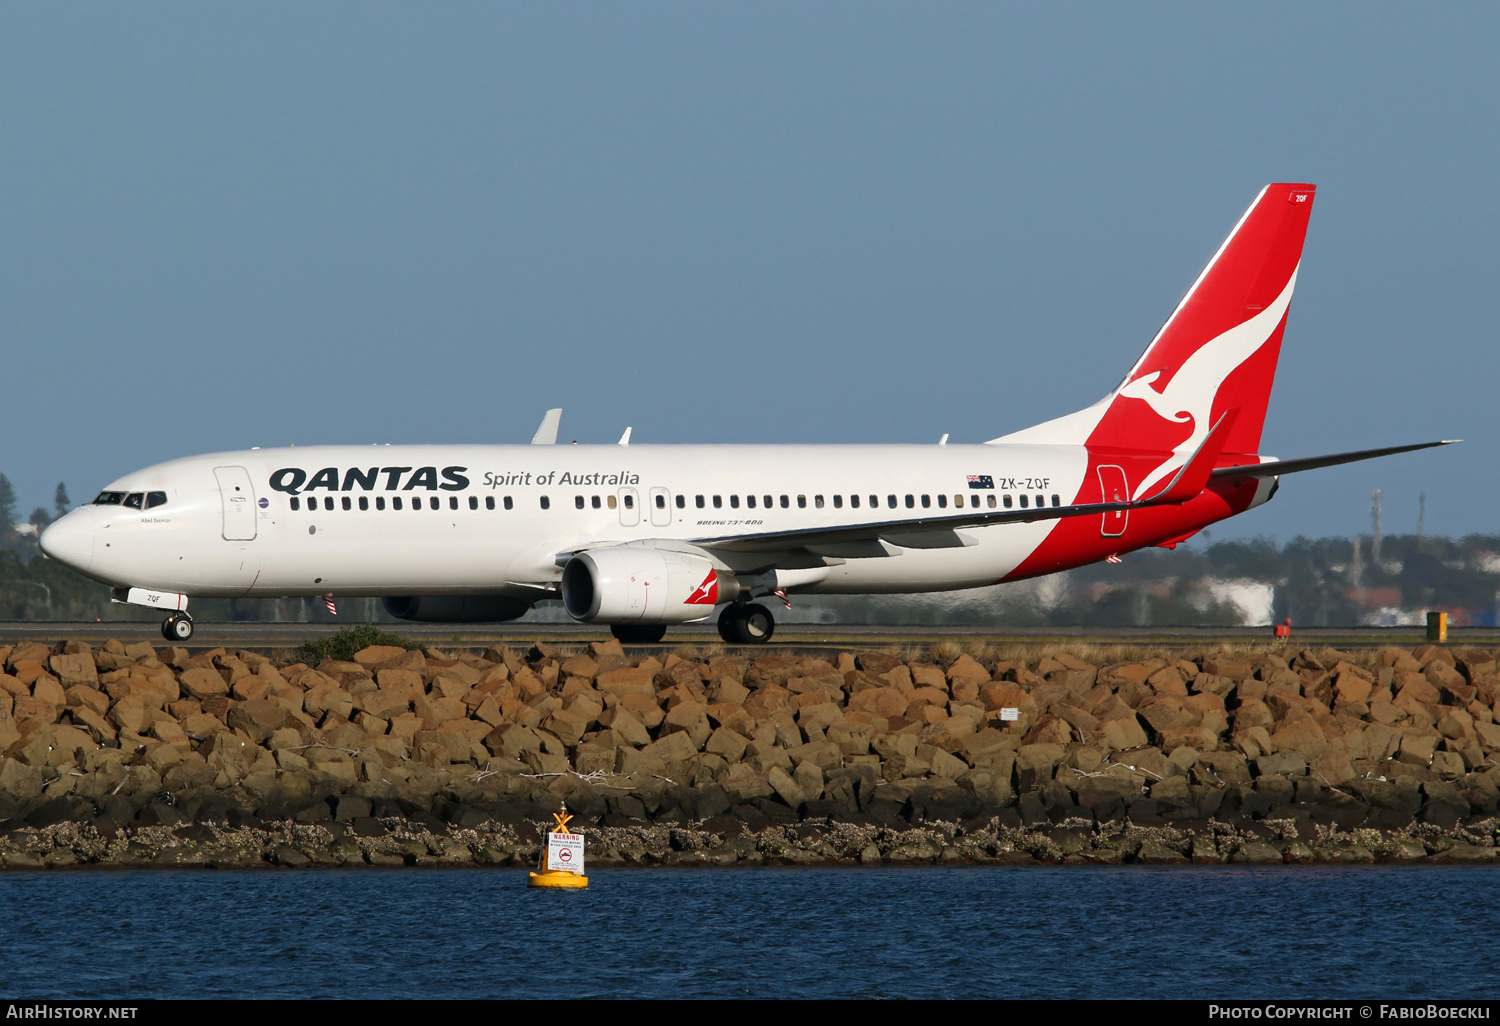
{"points": [[609, 500], [769, 503], [630, 502], [432, 502], [734, 502], [801, 502], [595, 502], [395, 502], [818, 501], [661, 502], [1057, 500], [453, 502], [974, 501], [1023, 502], [681, 502], [364, 502], [990, 500], [785, 502], [109, 498], [546, 502], [1041, 500], [1007, 502], [890, 500], [854, 502], [926, 501], [154, 499], [135, 500], [718, 502], [380, 502], [473, 502], [698, 501], [750, 501], [942, 502], [838, 502], [328, 502], [578, 501], [489, 502], [510, 503], [296, 502], [347, 504]]}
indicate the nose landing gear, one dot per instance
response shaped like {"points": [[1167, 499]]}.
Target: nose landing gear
{"points": [[177, 627], [746, 625]]}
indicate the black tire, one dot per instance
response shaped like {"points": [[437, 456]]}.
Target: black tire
{"points": [[729, 625], [638, 633], [757, 624], [177, 627]]}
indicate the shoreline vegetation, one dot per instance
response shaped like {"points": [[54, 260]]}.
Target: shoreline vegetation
{"points": [[387, 755]]}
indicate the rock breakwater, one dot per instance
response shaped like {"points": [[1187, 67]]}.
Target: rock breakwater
{"points": [[131, 755]]}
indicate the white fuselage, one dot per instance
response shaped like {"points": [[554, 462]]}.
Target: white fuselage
{"points": [[495, 519]]}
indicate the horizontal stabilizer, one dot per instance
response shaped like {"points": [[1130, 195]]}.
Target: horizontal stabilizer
{"points": [[1276, 467]]}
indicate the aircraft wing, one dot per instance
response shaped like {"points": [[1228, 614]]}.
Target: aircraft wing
{"points": [[939, 532], [907, 530]]}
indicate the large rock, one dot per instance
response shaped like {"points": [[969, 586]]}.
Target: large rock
{"points": [[258, 718], [1035, 764], [74, 669], [203, 682], [1123, 734]]}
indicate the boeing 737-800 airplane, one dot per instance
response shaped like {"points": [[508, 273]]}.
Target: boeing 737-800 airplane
{"points": [[641, 537]]}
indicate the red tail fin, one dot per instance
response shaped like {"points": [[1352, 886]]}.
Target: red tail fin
{"points": [[1217, 351]]}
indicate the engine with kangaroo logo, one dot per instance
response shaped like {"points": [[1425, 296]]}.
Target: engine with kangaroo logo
{"points": [[641, 584]]}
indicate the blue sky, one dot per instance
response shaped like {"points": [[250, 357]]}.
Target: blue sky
{"points": [[236, 225]]}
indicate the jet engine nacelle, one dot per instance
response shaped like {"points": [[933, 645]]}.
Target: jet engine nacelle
{"points": [[456, 608], [637, 584]]}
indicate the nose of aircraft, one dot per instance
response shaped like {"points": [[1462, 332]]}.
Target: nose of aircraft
{"points": [[71, 539]]}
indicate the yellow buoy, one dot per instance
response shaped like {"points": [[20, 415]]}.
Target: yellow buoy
{"points": [[562, 857], [556, 878]]}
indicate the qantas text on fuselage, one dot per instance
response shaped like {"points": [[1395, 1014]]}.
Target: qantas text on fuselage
{"points": [[641, 537]]}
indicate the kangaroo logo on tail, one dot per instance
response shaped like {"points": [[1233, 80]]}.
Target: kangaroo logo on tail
{"points": [[1189, 394]]}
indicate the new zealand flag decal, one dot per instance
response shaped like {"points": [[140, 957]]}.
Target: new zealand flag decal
{"points": [[981, 481]]}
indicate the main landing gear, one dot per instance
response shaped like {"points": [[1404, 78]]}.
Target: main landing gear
{"points": [[746, 624], [177, 627]]}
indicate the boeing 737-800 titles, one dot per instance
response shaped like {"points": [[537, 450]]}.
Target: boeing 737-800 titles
{"points": [[641, 537]]}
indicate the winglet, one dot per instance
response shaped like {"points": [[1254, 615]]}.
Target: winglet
{"points": [[625, 438], [546, 432], [1193, 477]]}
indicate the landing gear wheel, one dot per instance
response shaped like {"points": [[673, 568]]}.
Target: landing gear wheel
{"points": [[729, 624], [746, 625], [638, 633], [177, 627], [757, 624]]}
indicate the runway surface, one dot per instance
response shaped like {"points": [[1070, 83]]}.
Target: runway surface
{"points": [[795, 637]]}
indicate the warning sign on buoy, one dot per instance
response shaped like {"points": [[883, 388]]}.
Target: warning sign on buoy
{"points": [[562, 857], [564, 852]]}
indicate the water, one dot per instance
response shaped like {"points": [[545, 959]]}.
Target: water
{"points": [[1086, 932]]}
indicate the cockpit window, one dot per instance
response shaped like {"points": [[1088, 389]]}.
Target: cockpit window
{"points": [[135, 500], [155, 499], [109, 498]]}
